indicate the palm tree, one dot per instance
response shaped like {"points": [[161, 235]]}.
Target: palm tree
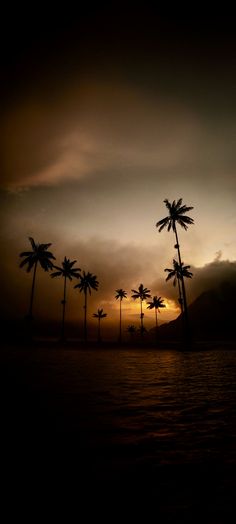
{"points": [[120, 294], [142, 294], [87, 282], [66, 271], [157, 303], [99, 315], [38, 255], [131, 330], [177, 215], [178, 273], [175, 274]]}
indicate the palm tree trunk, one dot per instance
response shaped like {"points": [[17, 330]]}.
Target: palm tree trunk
{"points": [[141, 316], [183, 286], [180, 296], [120, 322], [63, 311], [156, 323], [32, 292], [99, 329], [85, 315]]}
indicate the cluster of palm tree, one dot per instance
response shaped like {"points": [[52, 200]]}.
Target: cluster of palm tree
{"points": [[40, 256], [176, 216], [142, 293], [87, 282]]}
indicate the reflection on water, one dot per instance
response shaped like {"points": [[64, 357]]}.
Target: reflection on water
{"points": [[176, 407], [169, 406], [116, 413]]}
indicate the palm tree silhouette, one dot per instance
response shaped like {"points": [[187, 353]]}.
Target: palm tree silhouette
{"points": [[99, 315], [38, 255], [120, 294], [87, 282], [67, 271], [142, 294], [157, 303], [131, 330], [177, 215], [178, 273]]}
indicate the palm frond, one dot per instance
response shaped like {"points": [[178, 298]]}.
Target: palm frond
{"points": [[176, 214], [46, 264], [58, 268], [162, 223], [100, 314], [26, 254], [185, 209], [142, 293], [120, 293], [56, 274], [88, 281], [179, 203], [79, 286], [39, 254], [167, 203], [32, 243], [26, 261], [44, 247], [31, 264], [150, 306], [50, 255], [182, 224], [66, 270]]}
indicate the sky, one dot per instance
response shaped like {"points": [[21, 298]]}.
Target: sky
{"points": [[107, 113]]}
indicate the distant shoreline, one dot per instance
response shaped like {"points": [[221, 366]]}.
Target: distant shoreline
{"points": [[78, 345]]}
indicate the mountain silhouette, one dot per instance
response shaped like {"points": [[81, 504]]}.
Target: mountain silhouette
{"points": [[211, 316]]}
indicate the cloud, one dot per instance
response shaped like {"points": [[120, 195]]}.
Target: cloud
{"points": [[210, 276], [92, 128]]}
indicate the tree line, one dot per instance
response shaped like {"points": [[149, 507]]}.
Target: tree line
{"points": [[41, 256]]}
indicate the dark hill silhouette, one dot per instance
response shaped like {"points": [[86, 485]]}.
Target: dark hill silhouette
{"points": [[211, 316]]}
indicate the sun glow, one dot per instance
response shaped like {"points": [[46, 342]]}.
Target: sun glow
{"points": [[131, 310]]}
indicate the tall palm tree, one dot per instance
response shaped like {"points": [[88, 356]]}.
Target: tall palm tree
{"points": [[39, 255], [178, 273], [120, 294], [99, 315], [66, 271], [177, 215], [87, 282], [156, 304], [142, 294]]}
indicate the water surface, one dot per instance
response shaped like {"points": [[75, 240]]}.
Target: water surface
{"points": [[129, 414]]}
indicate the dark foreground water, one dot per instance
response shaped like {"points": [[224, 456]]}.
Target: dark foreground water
{"points": [[160, 422]]}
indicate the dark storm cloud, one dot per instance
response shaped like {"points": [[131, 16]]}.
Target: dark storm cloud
{"points": [[88, 90], [108, 129], [210, 276]]}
